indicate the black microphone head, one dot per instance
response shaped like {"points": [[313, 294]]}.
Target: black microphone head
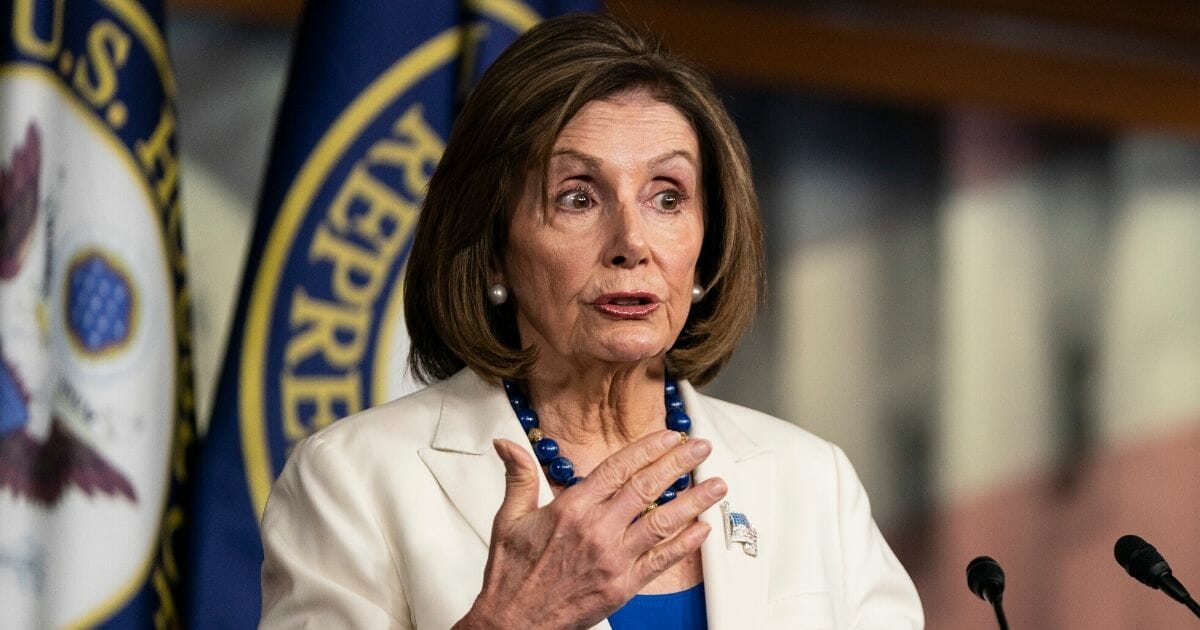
{"points": [[1141, 560], [985, 578]]}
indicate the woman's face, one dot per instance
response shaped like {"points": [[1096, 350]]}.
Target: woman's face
{"points": [[602, 270]]}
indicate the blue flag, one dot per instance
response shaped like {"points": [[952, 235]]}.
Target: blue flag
{"points": [[96, 417], [319, 333]]}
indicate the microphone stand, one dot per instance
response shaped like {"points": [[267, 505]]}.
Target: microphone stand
{"points": [[1193, 606], [999, 612], [1173, 589]]}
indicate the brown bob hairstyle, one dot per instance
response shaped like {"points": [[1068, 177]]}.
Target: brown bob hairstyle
{"points": [[505, 134]]}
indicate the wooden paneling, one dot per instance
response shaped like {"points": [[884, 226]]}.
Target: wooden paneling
{"points": [[1119, 64], [939, 63], [1177, 20]]}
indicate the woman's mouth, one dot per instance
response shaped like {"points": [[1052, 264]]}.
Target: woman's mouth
{"points": [[627, 305]]}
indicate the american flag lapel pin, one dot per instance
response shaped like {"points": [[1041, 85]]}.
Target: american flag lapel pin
{"points": [[739, 530]]}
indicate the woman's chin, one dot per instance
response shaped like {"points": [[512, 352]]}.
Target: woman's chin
{"points": [[630, 351]]}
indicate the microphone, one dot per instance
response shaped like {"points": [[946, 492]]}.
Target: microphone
{"points": [[1142, 561], [986, 579]]}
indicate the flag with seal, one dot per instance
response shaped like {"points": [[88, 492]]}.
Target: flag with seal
{"points": [[319, 332], [95, 380]]}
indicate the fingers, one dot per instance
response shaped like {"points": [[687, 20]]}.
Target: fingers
{"points": [[664, 521], [520, 483], [665, 555], [611, 475], [645, 485]]}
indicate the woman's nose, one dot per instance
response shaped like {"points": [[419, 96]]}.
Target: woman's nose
{"points": [[629, 247]]}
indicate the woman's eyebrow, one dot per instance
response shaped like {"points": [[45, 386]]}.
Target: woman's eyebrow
{"points": [[670, 155], [593, 163]]}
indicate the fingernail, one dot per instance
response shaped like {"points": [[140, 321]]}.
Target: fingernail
{"points": [[717, 488], [669, 439], [699, 448]]}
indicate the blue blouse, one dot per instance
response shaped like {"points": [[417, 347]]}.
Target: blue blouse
{"points": [[671, 611]]}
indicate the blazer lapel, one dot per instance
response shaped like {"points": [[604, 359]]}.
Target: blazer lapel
{"points": [[735, 583], [461, 457]]}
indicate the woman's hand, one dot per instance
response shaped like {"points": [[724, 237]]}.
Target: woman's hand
{"points": [[573, 562]]}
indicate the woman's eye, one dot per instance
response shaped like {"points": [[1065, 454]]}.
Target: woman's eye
{"points": [[668, 199], [575, 200]]}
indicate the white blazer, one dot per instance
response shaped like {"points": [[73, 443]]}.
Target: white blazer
{"points": [[383, 519]]}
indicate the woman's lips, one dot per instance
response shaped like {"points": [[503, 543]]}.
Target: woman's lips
{"points": [[627, 305]]}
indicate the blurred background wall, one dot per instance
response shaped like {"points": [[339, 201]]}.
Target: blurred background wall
{"points": [[983, 226]]}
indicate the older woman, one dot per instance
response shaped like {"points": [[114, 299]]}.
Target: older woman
{"points": [[589, 250]]}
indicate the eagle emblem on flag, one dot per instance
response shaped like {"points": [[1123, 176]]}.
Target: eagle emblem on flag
{"points": [[42, 470]]}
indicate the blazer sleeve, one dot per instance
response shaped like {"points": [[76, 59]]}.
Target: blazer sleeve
{"points": [[326, 561], [879, 593]]}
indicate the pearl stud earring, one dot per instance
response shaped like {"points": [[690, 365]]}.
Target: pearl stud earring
{"points": [[497, 294], [697, 293]]}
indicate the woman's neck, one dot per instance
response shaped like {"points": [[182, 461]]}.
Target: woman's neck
{"points": [[597, 412]]}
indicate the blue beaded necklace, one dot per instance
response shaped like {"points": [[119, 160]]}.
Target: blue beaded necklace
{"points": [[560, 470]]}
